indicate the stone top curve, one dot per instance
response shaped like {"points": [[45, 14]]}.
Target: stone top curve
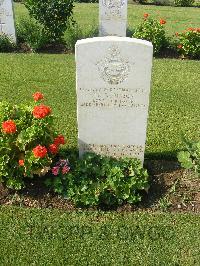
{"points": [[114, 39]]}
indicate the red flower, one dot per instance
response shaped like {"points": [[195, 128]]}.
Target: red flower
{"points": [[191, 29], [9, 127], [59, 140], [176, 34], [38, 96], [53, 148], [180, 46], [21, 162], [162, 21], [41, 111], [145, 15], [40, 151]]}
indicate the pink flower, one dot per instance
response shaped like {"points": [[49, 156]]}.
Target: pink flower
{"points": [[55, 170], [65, 169]]}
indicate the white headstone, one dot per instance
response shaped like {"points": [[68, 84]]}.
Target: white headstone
{"points": [[113, 85], [7, 25], [112, 17]]}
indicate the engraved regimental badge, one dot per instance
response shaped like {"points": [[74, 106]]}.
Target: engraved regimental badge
{"points": [[113, 68], [113, 7]]}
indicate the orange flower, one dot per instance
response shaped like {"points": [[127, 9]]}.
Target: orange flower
{"points": [[145, 15], [59, 140], [191, 29], [176, 34], [21, 162], [38, 96], [180, 46], [53, 148], [40, 151], [41, 111], [162, 21], [9, 127]]}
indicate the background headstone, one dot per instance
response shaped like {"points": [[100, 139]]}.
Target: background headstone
{"points": [[7, 25], [113, 86], [112, 17]]}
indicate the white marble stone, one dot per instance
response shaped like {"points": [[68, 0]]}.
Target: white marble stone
{"points": [[112, 17], [113, 84], [7, 24]]}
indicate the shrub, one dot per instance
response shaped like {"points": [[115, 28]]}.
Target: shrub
{"points": [[97, 180], [153, 31], [53, 15], [184, 2], [190, 158], [75, 33], [86, 1], [6, 45], [140, 1], [188, 42], [163, 2], [30, 32], [28, 141]]}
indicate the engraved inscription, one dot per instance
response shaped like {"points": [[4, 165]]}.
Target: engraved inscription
{"points": [[113, 68], [114, 150], [111, 97], [113, 8]]}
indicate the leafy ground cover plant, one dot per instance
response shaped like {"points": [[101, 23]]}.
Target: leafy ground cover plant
{"points": [[190, 158], [28, 141], [53, 15], [153, 31], [96, 180], [188, 42]]}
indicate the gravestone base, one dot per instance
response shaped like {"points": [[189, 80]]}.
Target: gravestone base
{"points": [[108, 28]]}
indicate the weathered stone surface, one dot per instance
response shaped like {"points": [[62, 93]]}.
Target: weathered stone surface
{"points": [[113, 86], [7, 25], [112, 17]]}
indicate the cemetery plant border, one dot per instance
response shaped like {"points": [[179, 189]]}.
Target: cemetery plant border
{"points": [[38, 41]]}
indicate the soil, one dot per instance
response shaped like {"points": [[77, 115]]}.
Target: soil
{"points": [[171, 189], [61, 49]]}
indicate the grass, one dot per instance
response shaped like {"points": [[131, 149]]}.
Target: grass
{"points": [[174, 104], [178, 18], [52, 237]]}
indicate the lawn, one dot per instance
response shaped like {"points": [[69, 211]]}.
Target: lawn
{"points": [[178, 18], [54, 237], [174, 104]]}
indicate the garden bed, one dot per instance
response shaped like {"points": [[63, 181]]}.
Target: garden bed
{"points": [[171, 189]]}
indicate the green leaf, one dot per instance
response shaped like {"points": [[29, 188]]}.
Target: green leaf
{"points": [[185, 160]]}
